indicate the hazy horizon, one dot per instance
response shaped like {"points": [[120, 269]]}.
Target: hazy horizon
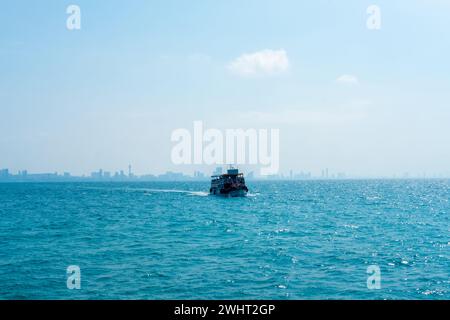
{"points": [[344, 97]]}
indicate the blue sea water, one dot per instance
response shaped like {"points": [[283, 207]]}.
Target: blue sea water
{"points": [[168, 240]]}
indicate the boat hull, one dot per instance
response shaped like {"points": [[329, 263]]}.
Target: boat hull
{"points": [[236, 193], [229, 193]]}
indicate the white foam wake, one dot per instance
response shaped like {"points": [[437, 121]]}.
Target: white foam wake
{"points": [[192, 193]]}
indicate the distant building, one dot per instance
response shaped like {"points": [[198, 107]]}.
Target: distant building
{"points": [[199, 175], [97, 175], [43, 176], [148, 177], [303, 176], [4, 174], [341, 175], [172, 176]]}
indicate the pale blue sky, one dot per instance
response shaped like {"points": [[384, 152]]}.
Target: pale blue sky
{"points": [[111, 93]]}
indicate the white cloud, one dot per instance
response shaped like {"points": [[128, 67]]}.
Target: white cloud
{"points": [[348, 79], [265, 62]]}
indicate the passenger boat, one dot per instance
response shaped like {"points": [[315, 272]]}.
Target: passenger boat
{"points": [[231, 184]]}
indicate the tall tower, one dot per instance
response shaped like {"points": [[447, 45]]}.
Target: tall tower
{"points": [[129, 170]]}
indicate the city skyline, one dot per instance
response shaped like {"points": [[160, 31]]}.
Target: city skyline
{"points": [[120, 175]]}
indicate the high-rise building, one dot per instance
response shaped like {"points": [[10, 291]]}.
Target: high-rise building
{"points": [[97, 175], [4, 173], [172, 176], [218, 171]]}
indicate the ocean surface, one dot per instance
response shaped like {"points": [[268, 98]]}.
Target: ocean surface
{"points": [[168, 240]]}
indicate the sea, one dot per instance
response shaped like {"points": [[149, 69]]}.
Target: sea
{"points": [[171, 240]]}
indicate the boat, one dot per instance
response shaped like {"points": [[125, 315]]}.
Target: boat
{"points": [[230, 184]]}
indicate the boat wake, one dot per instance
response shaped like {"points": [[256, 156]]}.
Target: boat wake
{"points": [[152, 191], [251, 195], [188, 192]]}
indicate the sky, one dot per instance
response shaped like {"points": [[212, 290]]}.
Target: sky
{"points": [[344, 97]]}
